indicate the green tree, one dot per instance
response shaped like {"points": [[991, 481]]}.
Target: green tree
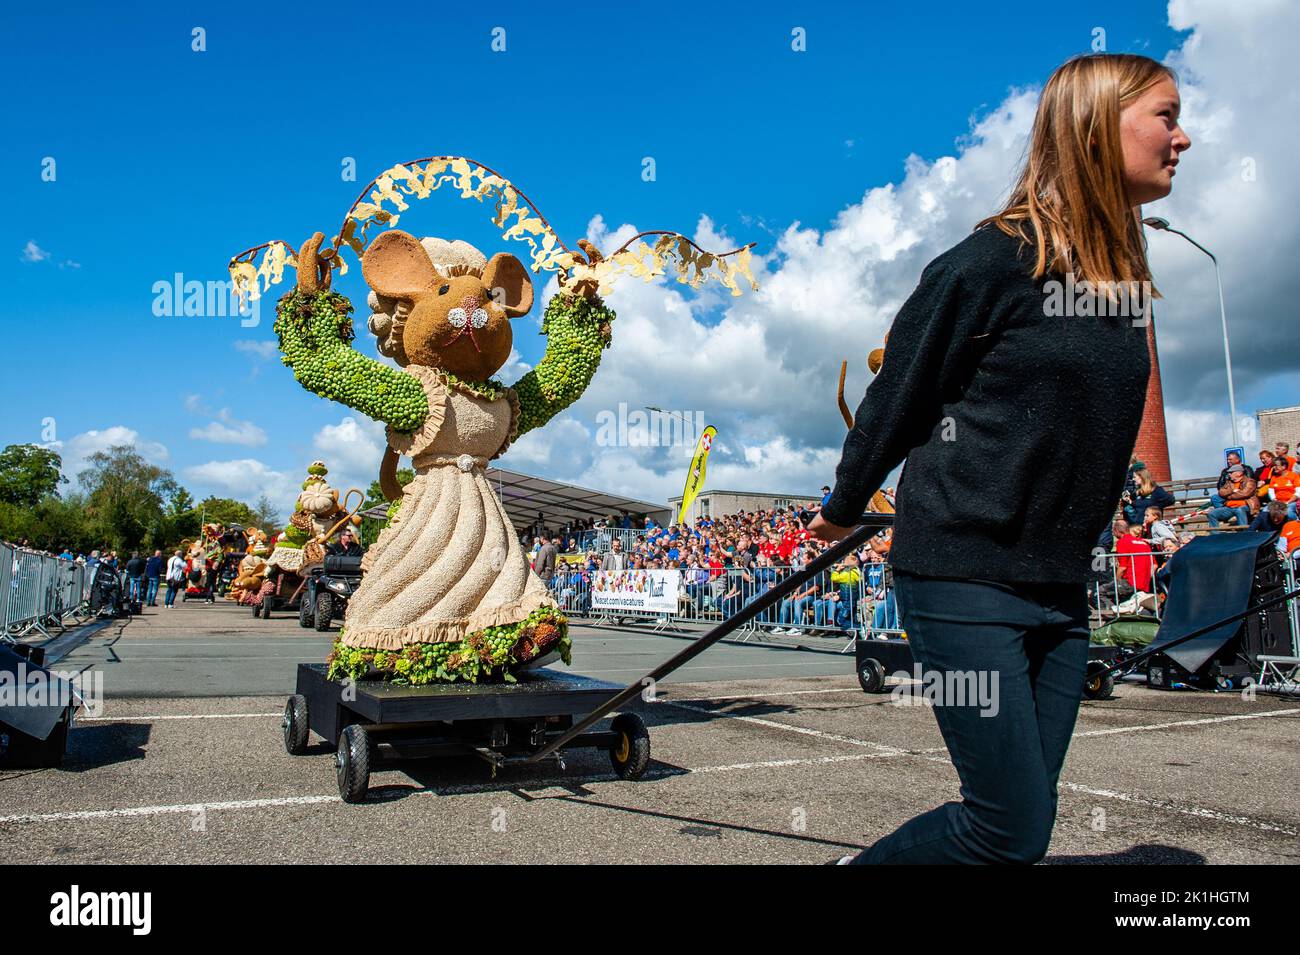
{"points": [[28, 473], [224, 510], [266, 515], [180, 521], [181, 502], [125, 495], [64, 522]]}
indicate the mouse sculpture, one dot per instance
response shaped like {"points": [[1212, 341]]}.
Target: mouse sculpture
{"points": [[447, 592]]}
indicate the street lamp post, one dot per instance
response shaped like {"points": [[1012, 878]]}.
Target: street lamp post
{"points": [[1163, 226]]}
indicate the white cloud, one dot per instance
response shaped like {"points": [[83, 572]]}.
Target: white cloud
{"points": [[258, 348], [226, 429], [352, 450], [33, 252], [76, 452], [244, 479]]}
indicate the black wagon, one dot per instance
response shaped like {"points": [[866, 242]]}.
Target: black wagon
{"points": [[373, 722]]}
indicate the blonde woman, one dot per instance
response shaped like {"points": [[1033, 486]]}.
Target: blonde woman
{"points": [[1146, 493], [1018, 421]]}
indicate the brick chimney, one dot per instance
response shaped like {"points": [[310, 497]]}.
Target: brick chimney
{"points": [[1152, 446]]}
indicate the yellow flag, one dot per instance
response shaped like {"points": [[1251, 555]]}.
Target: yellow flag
{"points": [[695, 477]]}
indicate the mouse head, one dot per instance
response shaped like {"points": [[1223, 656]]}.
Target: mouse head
{"points": [[452, 314]]}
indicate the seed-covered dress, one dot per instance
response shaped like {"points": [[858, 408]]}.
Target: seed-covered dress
{"points": [[450, 562]]}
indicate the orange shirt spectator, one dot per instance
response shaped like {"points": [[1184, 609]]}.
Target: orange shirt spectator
{"points": [[1283, 483], [1291, 534]]}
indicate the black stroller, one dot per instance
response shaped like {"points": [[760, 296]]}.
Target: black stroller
{"points": [[109, 597]]}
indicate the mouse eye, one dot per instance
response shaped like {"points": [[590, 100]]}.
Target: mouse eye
{"points": [[457, 317], [479, 318], [442, 290]]}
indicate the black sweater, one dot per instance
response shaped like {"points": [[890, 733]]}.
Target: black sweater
{"points": [[1017, 425]]}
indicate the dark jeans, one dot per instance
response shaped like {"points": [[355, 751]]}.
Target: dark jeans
{"points": [[1034, 637]]}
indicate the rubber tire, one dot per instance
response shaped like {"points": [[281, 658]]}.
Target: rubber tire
{"points": [[296, 727], [633, 756], [266, 610], [324, 612], [257, 611], [871, 676], [1098, 687], [306, 614], [352, 763]]}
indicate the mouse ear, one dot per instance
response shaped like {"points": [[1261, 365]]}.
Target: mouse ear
{"points": [[507, 274], [397, 266]]}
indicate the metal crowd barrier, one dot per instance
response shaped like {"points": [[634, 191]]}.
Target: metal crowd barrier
{"points": [[857, 605], [864, 609], [601, 539], [1111, 594], [39, 591]]}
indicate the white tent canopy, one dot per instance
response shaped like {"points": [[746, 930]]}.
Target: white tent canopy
{"points": [[525, 496]]}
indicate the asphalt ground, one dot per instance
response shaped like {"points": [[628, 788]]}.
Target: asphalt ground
{"points": [[760, 755]]}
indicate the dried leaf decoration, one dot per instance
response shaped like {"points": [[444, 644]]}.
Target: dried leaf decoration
{"points": [[244, 275], [383, 201]]}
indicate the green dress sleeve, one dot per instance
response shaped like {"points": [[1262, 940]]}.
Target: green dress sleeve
{"points": [[315, 333], [577, 329]]}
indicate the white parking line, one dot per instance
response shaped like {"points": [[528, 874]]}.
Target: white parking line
{"points": [[170, 716], [760, 696], [1196, 811], [802, 730], [164, 810], [1114, 731]]}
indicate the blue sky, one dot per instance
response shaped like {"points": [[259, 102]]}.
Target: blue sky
{"points": [[171, 160]]}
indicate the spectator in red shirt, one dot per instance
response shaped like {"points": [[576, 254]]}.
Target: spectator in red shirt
{"points": [[1266, 458], [1137, 570]]}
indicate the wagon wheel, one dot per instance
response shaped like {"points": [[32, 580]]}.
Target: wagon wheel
{"points": [[352, 763], [1099, 682], [871, 676], [631, 753], [295, 725]]}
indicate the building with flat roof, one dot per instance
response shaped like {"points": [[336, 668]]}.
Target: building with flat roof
{"points": [[1279, 424], [710, 503]]}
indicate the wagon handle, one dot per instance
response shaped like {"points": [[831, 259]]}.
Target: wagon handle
{"points": [[870, 524]]}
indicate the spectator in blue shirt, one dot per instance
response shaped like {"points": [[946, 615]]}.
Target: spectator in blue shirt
{"points": [[153, 569]]}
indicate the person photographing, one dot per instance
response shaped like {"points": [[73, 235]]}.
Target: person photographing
{"points": [[1018, 420]]}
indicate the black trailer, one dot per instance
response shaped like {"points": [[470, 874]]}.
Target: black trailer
{"points": [[877, 659], [373, 722]]}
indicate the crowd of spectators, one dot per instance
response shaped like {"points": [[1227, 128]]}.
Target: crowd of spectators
{"points": [[729, 561], [1259, 499]]}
